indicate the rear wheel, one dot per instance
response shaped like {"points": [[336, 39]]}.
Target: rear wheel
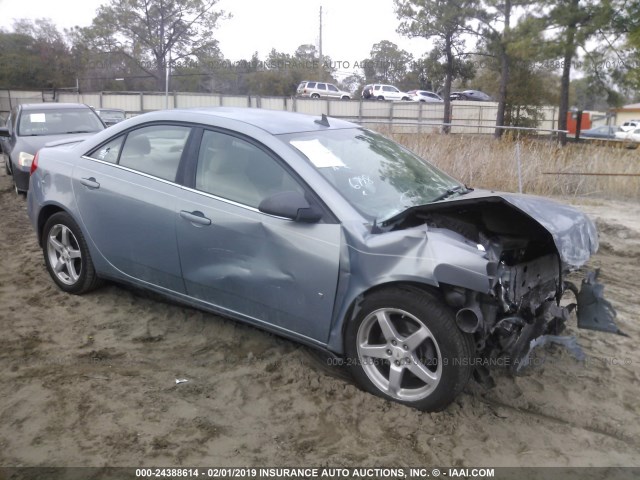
{"points": [[404, 346], [67, 256], [380, 97], [315, 96]]}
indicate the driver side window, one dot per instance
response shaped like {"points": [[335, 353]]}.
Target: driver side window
{"points": [[232, 168]]}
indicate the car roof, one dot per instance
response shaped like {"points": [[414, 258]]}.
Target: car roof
{"points": [[51, 106], [274, 122]]}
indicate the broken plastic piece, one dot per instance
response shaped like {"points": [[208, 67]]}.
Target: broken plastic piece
{"points": [[569, 342], [181, 380], [594, 312]]}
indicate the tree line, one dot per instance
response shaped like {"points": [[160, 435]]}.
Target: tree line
{"points": [[525, 53]]}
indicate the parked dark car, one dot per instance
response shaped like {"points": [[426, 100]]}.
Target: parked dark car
{"points": [[322, 231], [111, 116], [473, 95], [604, 131], [30, 126]]}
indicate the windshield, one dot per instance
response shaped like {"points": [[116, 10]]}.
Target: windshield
{"points": [[57, 122], [374, 174], [111, 115]]}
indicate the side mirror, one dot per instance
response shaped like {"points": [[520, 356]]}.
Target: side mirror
{"points": [[291, 205], [4, 132]]}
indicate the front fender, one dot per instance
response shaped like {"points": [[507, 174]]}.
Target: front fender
{"points": [[418, 256]]}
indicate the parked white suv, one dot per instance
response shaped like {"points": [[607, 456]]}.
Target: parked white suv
{"points": [[378, 91], [321, 89], [630, 125], [632, 135], [424, 96]]}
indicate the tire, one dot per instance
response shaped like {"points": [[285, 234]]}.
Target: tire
{"points": [[404, 346], [315, 96], [17, 190], [345, 98], [381, 98], [67, 256], [406, 99]]}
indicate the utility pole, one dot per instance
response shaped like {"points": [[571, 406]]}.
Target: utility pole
{"points": [[320, 48]]}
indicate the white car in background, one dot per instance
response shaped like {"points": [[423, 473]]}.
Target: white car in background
{"points": [[632, 135], [321, 90], [630, 125], [425, 96], [379, 91]]}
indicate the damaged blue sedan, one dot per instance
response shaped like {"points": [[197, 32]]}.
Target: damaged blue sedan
{"points": [[321, 231]]}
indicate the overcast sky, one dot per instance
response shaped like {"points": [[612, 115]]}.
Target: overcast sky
{"points": [[350, 27]]}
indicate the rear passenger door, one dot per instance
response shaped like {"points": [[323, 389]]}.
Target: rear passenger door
{"points": [[265, 269], [126, 193], [321, 88]]}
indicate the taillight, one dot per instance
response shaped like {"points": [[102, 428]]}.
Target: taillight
{"points": [[34, 164]]}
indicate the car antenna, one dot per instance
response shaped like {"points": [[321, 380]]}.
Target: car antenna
{"points": [[375, 229], [324, 121]]}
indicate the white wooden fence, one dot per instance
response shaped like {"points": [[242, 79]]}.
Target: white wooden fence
{"points": [[468, 117]]}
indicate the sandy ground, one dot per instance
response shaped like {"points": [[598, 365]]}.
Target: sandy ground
{"points": [[91, 381]]}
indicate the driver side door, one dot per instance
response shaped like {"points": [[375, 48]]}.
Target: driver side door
{"points": [[268, 270]]}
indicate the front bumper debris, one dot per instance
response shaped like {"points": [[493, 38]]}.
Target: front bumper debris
{"points": [[594, 311]]}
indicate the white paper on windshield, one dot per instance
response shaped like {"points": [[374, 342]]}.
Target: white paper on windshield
{"points": [[319, 155], [37, 118]]}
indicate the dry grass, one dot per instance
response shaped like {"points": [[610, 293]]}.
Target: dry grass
{"points": [[481, 161]]}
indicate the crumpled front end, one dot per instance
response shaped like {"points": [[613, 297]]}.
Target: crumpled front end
{"points": [[530, 244]]}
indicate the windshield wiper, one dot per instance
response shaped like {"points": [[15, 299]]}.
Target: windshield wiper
{"points": [[461, 189], [79, 131]]}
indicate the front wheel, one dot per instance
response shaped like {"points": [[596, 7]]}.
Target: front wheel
{"points": [[404, 346], [67, 256]]}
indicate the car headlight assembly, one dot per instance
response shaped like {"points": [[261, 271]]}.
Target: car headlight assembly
{"points": [[25, 159]]}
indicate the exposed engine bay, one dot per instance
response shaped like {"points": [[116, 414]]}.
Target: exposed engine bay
{"points": [[527, 262]]}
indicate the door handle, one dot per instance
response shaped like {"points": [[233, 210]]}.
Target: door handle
{"points": [[196, 217], [90, 182]]}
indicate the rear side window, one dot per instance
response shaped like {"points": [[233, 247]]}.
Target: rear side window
{"points": [[321, 86], [109, 151], [311, 85], [155, 150]]}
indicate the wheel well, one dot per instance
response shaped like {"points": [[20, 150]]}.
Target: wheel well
{"points": [[46, 212], [413, 286]]}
